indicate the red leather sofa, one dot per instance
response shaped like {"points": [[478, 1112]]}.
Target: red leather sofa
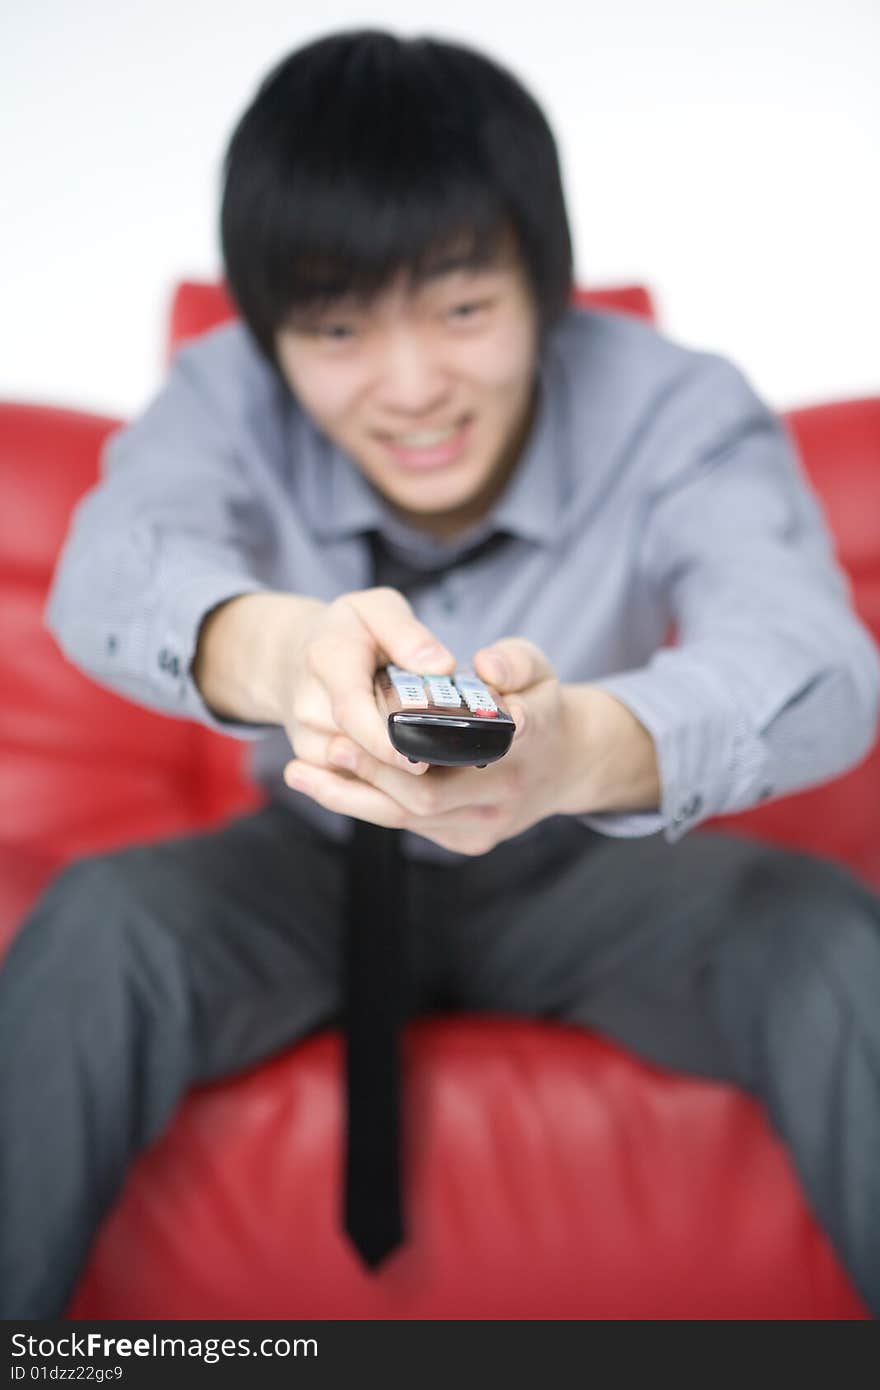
{"points": [[549, 1173]]}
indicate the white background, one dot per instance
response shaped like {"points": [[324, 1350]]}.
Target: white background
{"points": [[723, 151]]}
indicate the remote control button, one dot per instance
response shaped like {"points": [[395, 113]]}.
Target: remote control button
{"points": [[409, 688], [412, 696], [479, 701], [486, 713], [475, 692], [443, 692], [466, 680]]}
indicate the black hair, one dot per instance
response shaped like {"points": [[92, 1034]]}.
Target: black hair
{"points": [[363, 154]]}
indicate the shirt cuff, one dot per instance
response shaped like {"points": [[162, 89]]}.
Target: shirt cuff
{"points": [[709, 758], [625, 824], [170, 646]]}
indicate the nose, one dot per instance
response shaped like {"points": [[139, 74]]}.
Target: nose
{"points": [[412, 381]]}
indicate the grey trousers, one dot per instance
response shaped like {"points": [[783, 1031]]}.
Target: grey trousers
{"points": [[141, 972]]}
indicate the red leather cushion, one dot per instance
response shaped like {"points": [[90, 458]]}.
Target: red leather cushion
{"points": [[548, 1175], [839, 442], [24, 873]]}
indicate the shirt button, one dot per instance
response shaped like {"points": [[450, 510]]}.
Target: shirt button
{"points": [[169, 662], [111, 643], [690, 808], [765, 792]]}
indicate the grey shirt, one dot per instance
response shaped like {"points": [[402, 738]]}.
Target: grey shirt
{"points": [[655, 489]]}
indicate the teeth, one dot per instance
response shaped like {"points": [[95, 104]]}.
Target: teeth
{"points": [[423, 441]]}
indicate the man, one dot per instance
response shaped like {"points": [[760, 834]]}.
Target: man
{"points": [[411, 449]]}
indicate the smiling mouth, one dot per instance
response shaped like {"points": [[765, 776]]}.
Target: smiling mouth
{"points": [[429, 448], [423, 439]]}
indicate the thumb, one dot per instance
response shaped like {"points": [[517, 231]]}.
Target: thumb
{"points": [[513, 663]]}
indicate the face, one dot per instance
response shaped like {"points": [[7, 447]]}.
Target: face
{"points": [[430, 389]]}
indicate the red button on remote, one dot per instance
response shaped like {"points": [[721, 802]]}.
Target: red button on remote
{"points": [[485, 713]]}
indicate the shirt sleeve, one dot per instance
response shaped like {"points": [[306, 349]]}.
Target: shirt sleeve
{"points": [[170, 530], [774, 682]]}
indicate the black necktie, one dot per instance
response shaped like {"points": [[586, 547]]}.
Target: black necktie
{"points": [[373, 1215], [375, 994], [377, 991]]}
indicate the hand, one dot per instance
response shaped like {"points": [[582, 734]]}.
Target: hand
{"points": [[325, 678], [466, 809]]}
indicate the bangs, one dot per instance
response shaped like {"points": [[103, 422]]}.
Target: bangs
{"points": [[326, 257]]}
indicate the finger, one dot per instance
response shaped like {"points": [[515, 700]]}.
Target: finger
{"points": [[313, 709], [334, 749], [447, 789], [517, 711], [346, 667], [349, 796], [400, 636], [513, 663]]}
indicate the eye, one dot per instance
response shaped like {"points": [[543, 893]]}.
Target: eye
{"points": [[335, 332], [468, 309]]}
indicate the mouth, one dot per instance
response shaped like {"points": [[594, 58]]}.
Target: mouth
{"points": [[423, 449]]}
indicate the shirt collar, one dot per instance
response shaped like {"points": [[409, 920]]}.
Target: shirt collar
{"points": [[340, 501]]}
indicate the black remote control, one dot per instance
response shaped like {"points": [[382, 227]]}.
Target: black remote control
{"points": [[453, 721]]}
